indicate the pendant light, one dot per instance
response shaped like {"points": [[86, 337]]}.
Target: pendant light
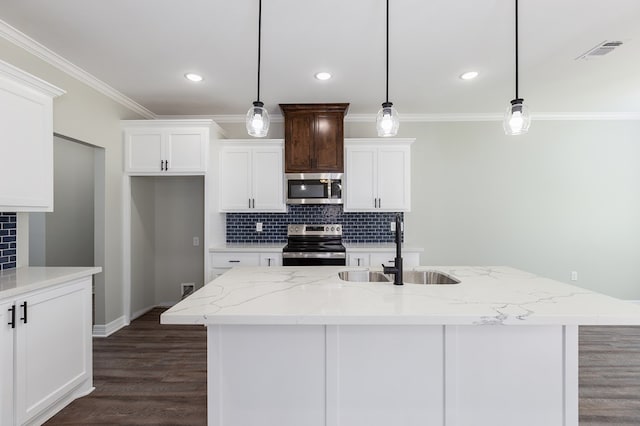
{"points": [[387, 120], [517, 119], [258, 117]]}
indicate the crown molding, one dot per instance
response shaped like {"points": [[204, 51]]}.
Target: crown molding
{"points": [[25, 42], [440, 118], [8, 70]]}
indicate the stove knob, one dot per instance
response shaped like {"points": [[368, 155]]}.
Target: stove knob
{"points": [[338, 228], [333, 228]]}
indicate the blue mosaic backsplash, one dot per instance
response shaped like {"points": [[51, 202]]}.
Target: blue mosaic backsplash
{"points": [[365, 227], [8, 244]]}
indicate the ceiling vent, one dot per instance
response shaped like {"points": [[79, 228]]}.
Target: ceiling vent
{"points": [[600, 50]]}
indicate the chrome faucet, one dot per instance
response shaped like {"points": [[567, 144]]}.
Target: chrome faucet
{"points": [[397, 269]]}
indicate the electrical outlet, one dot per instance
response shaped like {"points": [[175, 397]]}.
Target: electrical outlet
{"points": [[258, 226], [392, 226], [186, 289], [574, 275], [196, 241]]}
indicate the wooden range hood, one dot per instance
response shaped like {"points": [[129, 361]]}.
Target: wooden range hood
{"points": [[314, 137]]}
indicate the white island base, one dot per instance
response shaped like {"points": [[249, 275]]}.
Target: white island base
{"points": [[400, 375], [297, 346]]}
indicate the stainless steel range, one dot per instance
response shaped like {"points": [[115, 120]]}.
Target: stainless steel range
{"points": [[311, 245]]}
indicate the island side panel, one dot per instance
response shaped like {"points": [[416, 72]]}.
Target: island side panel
{"points": [[264, 375], [387, 375], [525, 375]]}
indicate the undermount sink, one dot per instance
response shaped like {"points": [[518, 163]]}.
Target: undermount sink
{"points": [[364, 276], [428, 277], [408, 277]]}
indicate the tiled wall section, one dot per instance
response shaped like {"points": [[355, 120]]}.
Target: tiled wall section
{"points": [[357, 227], [8, 244]]}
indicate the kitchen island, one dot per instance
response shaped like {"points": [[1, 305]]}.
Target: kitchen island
{"points": [[299, 346]]}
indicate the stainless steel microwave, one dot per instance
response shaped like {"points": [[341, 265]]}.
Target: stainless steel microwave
{"points": [[313, 188]]}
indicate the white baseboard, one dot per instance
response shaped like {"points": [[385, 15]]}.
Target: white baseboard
{"points": [[108, 329]]}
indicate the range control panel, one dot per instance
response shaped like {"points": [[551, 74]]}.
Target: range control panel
{"points": [[322, 230]]}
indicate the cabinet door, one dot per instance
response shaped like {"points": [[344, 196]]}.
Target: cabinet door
{"points": [[267, 180], [235, 179], [394, 174], [54, 347], [360, 179], [143, 150], [299, 142], [26, 147], [186, 150], [328, 142], [6, 365]]}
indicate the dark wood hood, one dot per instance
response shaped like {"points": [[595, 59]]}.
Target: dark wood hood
{"points": [[314, 137]]}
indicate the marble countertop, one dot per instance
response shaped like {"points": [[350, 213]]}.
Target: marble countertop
{"points": [[315, 295], [14, 282], [351, 247]]}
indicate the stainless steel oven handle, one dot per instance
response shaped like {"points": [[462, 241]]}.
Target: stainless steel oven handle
{"points": [[314, 255]]}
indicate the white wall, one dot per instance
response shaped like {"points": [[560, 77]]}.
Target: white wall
{"points": [[565, 197], [143, 243], [562, 198], [179, 207], [89, 116], [167, 212], [65, 237]]}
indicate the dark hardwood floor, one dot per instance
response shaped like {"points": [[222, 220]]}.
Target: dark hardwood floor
{"points": [[145, 374], [609, 375], [152, 374]]}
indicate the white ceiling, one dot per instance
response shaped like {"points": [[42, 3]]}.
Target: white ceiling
{"points": [[142, 48]]}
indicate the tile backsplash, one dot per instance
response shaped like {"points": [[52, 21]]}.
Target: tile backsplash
{"points": [[366, 227], [8, 240]]}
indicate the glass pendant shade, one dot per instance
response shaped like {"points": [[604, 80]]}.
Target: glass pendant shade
{"points": [[516, 119], [257, 120], [387, 120]]}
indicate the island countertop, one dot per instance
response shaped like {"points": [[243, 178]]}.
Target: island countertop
{"points": [[315, 295]]}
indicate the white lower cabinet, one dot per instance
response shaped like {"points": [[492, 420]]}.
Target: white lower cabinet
{"points": [[221, 262], [45, 352], [377, 259]]}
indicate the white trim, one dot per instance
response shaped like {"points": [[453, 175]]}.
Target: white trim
{"points": [[443, 118], [108, 329], [30, 80], [126, 245], [20, 39], [637, 302]]}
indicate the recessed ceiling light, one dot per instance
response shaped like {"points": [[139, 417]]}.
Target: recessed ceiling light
{"points": [[193, 77], [323, 75], [469, 75]]}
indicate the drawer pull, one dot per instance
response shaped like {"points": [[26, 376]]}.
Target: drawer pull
{"points": [[24, 310], [234, 261], [12, 323]]}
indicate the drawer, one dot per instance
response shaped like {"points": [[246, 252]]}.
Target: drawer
{"points": [[229, 260]]}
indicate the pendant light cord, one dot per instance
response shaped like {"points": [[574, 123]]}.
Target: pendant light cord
{"points": [[259, 43], [517, 97], [387, 95]]}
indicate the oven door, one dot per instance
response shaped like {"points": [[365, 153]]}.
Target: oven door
{"points": [[314, 259]]}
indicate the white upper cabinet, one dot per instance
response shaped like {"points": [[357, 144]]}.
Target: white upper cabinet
{"points": [[252, 176], [377, 175], [26, 141], [159, 147]]}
